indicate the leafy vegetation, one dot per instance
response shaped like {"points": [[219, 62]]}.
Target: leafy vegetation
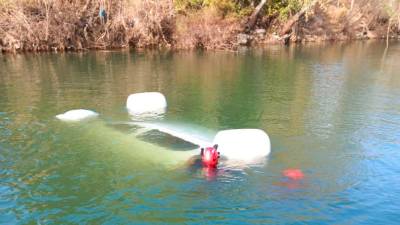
{"points": [[284, 9]]}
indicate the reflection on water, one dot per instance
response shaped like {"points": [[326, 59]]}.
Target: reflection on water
{"points": [[331, 110]]}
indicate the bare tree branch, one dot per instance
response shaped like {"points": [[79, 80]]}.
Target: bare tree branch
{"points": [[254, 16], [287, 28]]}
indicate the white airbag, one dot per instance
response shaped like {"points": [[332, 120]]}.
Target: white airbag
{"points": [[77, 115], [243, 144], [146, 102]]}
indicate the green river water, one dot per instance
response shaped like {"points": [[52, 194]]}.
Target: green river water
{"points": [[331, 110]]}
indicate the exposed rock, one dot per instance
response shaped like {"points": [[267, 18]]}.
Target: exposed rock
{"points": [[243, 39], [371, 35], [260, 31], [260, 34]]}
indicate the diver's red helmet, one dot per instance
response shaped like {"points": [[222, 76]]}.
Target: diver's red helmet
{"points": [[209, 156]]}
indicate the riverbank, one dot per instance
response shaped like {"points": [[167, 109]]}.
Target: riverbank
{"points": [[47, 25]]}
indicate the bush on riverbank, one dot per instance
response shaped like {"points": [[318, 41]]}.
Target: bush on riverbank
{"points": [[58, 25], [42, 25]]}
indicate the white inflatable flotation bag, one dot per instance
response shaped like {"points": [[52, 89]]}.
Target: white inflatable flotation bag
{"points": [[146, 103], [243, 144], [77, 115]]}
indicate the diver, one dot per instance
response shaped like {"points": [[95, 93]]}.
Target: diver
{"points": [[208, 158], [206, 162]]}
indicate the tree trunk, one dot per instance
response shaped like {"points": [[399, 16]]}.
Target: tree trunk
{"points": [[254, 16], [351, 5], [287, 28]]}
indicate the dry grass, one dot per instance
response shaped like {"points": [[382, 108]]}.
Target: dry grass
{"points": [[60, 25], [206, 29], [347, 19], [44, 25]]}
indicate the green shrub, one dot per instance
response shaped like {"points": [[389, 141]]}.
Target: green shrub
{"points": [[283, 8], [189, 4], [225, 7]]}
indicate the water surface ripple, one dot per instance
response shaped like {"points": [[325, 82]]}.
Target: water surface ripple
{"points": [[331, 110]]}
